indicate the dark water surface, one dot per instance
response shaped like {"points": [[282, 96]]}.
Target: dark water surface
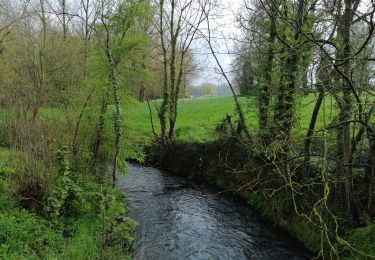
{"points": [[179, 220]]}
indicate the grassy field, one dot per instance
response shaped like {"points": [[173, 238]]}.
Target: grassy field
{"points": [[197, 118]]}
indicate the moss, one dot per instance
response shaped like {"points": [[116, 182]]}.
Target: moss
{"points": [[304, 232]]}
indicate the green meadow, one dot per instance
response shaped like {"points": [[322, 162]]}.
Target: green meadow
{"points": [[198, 117]]}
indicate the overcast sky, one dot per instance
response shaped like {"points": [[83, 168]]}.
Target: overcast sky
{"points": [[224, 28], [225, 25]]}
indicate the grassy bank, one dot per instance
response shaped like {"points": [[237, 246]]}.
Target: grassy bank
{"points": [[76, 218]]}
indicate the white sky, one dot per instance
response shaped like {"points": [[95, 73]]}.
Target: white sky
{"points": [[224, 28]]}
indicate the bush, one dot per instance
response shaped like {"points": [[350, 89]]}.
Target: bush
{"points": [[79, 211], [65, 197], [119, 233]]}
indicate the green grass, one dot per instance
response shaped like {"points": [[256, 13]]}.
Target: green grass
{"points": [[197, 118], [196, 121], [27, 235]]}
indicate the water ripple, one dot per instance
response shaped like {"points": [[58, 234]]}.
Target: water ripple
{"points": [[178, 220]]}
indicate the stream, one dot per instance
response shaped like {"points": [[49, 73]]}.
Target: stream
{"points": [[182, 220]]}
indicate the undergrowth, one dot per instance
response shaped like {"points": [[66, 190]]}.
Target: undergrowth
{"points": [[81, 218]]}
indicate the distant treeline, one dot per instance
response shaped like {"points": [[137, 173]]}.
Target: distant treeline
{"points": [[209, 89]]}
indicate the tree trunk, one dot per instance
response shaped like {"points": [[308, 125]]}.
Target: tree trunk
{"points": [[310, 134], [74, 143], [64, 20], [266, 86], [345, 114], [371, 174], [323, 80], [172, 74], [284, 110], [117, 121], [99, 133], [40, 85], [163, 108]]}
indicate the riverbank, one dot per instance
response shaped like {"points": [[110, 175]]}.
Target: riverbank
{"points": [[230, 166], [76, 216]]}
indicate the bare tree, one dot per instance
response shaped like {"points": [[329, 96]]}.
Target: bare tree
{"points": [[242, 125], [179, 21]]}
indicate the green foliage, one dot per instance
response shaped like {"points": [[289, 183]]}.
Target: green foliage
{"points": [[12, 161], [259, 203], [225, 127], [24, 235], [304, 232], [76, 207], [118, 232], [122, 21], [83, 244], [132, 142], [183, 131], [363, 240], [65, 197]]}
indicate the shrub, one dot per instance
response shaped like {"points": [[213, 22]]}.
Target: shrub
{"points": [[66, 196], [118, 234]]}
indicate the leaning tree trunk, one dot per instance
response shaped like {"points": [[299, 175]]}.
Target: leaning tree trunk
{"points": [[324, 80], [310, 133], [76, 129]]}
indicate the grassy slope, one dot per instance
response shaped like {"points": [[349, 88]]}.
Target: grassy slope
{"points": [[26, 235], [197, 118]]}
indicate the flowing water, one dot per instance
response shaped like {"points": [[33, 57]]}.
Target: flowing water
{"points": [[180, 220]]}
